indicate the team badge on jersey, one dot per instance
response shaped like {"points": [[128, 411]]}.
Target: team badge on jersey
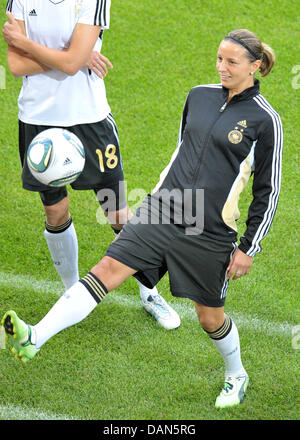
{"points": [[235, 136]]}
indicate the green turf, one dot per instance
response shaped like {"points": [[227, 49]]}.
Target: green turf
{"points": [[118, 364]]}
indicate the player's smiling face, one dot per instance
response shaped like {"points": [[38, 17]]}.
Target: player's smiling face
{"points": [[234, 66]]}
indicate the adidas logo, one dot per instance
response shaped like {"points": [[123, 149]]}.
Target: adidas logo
{"points": [[33, 13], [67, 161], [243, 124]]}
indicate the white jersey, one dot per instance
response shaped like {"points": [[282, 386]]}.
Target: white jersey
{"points": [[54, 98]]}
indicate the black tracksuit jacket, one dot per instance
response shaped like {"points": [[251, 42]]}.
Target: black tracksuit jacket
{"points": [[220, 146]]}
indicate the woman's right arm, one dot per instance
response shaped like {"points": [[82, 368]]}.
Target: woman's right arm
{"points": [[69, 60], [20, 63]]}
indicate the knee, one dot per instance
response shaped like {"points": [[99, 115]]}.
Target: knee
{"points": [[107, 271], [208, 323], [105, 266], [209, 319], [111, 272]]}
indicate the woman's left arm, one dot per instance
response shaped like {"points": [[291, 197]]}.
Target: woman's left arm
{"points": [[69, 60], [98, 63], [266, 185], [240, 265]]}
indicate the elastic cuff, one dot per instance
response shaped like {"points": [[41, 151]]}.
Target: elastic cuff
{"points": [[94, 286], [223, 331], [59, 228]]}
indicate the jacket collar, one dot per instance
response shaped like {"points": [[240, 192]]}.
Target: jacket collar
{"points": [[246, 94]]}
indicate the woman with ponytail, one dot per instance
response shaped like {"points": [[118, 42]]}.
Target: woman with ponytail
{"points": [[228, 132]]}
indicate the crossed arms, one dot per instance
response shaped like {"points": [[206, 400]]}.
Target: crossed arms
{"points": [[26, 57]]}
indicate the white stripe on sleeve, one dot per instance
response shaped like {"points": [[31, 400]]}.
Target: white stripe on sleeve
{"points": [[275, 177]]}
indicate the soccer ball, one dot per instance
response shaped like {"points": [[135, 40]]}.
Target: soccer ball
{"points": [[56, 157]]}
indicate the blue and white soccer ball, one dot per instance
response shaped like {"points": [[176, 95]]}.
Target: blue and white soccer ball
{"points": [[56, 157]]}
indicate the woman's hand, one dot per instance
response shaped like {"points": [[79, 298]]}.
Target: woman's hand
{"points": [[12, 31], [98, 63], [240, 265]]}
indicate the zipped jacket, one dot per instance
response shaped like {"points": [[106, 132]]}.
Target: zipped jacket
{"points": [[220, 146]]}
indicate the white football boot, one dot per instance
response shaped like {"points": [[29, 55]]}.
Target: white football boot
{"points": [[154, 304], [161, 311], [234, 390]]}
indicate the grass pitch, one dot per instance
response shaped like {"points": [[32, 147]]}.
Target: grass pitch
{"points": [[119, 364]]}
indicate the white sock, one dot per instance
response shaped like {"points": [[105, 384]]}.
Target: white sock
{"points": [[145, 292], [63, 247], [71, 308], [227, 342]]}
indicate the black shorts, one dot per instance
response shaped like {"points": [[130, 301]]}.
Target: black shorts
{"points": [[196, 264], [111, 198], [103, 166]]}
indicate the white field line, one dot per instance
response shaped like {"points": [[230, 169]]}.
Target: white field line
{"points": [[184, 308], [2, 338], [11, 412]]}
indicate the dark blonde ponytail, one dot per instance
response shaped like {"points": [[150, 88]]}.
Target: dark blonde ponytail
{"points": [[267, 60]]}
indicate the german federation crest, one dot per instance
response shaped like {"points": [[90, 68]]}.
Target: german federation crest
{"points": [[235, 136]]}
